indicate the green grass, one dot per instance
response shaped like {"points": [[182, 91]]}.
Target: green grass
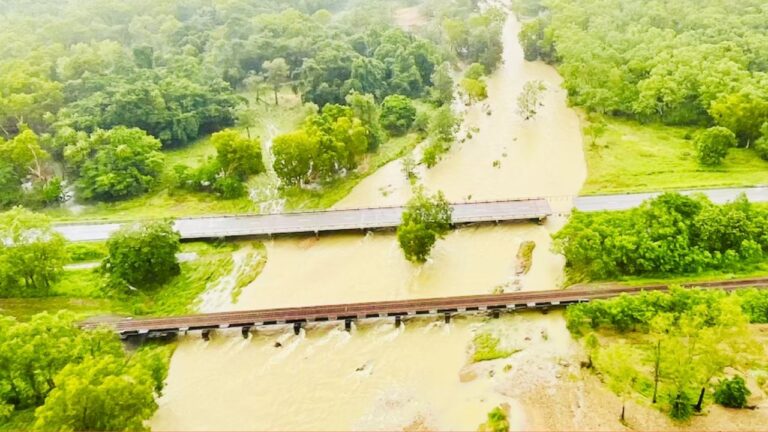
{"points": [[634, 157], [86, 251], [525, 255], [84, 291], [255, 262], [334, 191], [486, 347]]}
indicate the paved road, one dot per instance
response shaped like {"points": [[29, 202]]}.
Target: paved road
{"points": [[627, 201], [332, 220], [396, 308], [388, 217]]}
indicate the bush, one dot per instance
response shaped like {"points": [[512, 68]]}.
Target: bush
{"points": [[680, 405], [732, 393], [498, 421], [712, 145], [143, 255], [397, 114]]}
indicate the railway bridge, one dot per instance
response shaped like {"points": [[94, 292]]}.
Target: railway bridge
{"points": [[445, 307]]}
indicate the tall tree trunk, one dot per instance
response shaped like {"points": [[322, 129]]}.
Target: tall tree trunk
{"points": [[656, 372], [701, 400], [623, 406], [276, 103]]}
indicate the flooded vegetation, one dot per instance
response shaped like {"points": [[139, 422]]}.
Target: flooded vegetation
{"points": [[195, 107]]}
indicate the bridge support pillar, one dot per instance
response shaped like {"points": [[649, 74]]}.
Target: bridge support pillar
{"points": [[348, 325], [447, 317], [206, 335], [545, 310], [398, 321], [245, 331], [495, 313], [296, 328]]}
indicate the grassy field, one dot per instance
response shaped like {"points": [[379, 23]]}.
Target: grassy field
{"points": [[83, 291], [634, 157]]}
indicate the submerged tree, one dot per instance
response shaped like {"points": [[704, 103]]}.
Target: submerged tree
{"points": [[425, 219], [529, 101]]}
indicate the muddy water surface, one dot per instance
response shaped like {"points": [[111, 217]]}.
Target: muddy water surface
{"points": [[379, 377]]}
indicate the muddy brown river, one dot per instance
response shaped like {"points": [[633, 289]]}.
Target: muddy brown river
{"points": [[416, 377]]}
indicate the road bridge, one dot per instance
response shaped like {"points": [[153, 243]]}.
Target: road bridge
{"points": [[397, 309], [319, 221]]}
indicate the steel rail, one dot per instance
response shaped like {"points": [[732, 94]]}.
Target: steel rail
{"points": [[493, 303]]}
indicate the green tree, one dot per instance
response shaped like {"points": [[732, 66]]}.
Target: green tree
{"points": [[617, 362], [99, 394], [238, 156], [476, 89], [442, 84], [143, 255], [364, 108], [33, 352], [743, 113], [116, 164], [475, 71], [712, 145], [425, 219], [761, 145], [529, 100], [397, 114], [293, 154], [32, 254], [732, 393], [277, 71]]}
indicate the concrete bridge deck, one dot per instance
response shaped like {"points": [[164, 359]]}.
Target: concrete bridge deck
{"points": [[447, 306], [321, 221]]}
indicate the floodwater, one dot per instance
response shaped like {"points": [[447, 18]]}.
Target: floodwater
{"points": [[379, 377]]}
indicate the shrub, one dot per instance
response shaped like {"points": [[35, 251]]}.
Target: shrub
{"points": [[712, 145], [143, 255], [732, 393]]}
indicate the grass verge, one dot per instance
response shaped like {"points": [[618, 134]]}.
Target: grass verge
{"points": [[634, 157]]}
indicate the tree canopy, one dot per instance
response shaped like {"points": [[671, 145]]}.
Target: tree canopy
{"points": [[425, 219], [143, 255], [667, 235], [32, 254]]}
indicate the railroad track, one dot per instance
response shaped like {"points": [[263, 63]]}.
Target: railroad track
{"points": [[445, 306]]}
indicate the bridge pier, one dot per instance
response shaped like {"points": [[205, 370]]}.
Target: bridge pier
{"points": [[245, 331], [447, 318], [348, 325], [398, 321], [495, 313], [206, 334], [296, 328]]}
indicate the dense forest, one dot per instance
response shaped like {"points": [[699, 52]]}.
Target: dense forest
{"points": [[103, 88], [668, 235], [687, 62]]}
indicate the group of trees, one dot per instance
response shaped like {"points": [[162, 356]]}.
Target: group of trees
{"points": [[667, 235], [82, 95], [687, 62], [690, 337], [76, 379], [237, 158], [33, 254]]}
